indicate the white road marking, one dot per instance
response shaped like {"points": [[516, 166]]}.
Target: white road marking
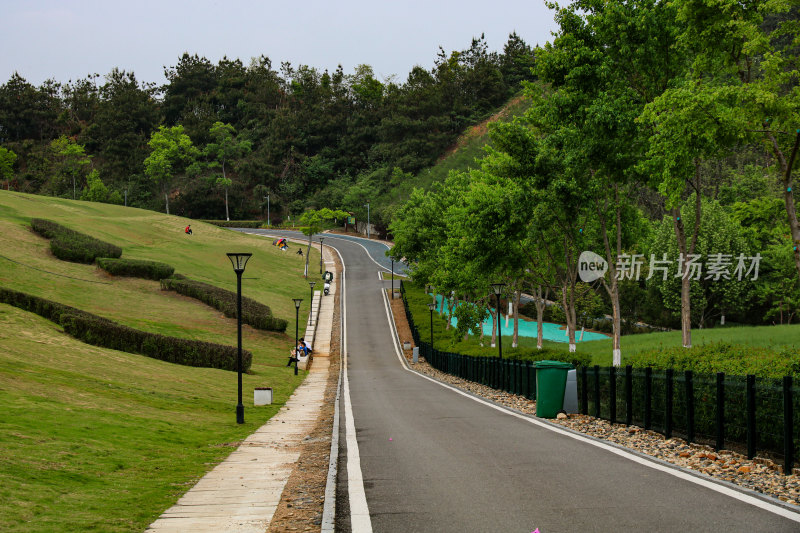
{"points": [[359, 510]]}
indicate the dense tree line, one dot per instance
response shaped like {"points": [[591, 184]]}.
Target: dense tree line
{"points": [[662, 136], [302, 136]]}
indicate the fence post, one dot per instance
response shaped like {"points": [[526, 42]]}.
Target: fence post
{"points": [[720, 411], [648, 396], [689, 377], [628, 395], [788, 426], [668, 407], [750, 401], [597, 391], [584, 390], [612, 391]]}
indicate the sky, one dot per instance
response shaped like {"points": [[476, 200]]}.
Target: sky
{"points": [[69, 39]]}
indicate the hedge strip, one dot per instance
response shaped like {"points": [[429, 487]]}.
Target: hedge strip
{"points": [[71, 245], [135, 268], [235, 223], [254, 313], [99, 331]]}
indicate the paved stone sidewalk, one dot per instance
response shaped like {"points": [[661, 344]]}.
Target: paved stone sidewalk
{"points": [[242, 493]]}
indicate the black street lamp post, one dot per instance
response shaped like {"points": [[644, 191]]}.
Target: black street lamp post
{"points": [[239, 261], [320, 253], [498, 289], [311, 304], [297, 302], [392, 278]]}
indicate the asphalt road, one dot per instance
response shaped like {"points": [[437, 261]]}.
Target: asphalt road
{"points": [[435, 460]]}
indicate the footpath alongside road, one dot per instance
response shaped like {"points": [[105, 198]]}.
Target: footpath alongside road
{"points": [[243, 493]]}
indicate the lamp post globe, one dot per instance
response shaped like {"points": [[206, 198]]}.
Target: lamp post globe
{"points": [[297, 302], [239, 261]]}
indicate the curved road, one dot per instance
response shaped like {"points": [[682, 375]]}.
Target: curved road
{"points": [[425, 457]]}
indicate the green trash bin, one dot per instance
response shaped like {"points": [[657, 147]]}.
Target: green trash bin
{"points": [[551, 380]]}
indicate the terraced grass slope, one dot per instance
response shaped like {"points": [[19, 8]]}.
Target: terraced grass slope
{"points": [[99, 440]]}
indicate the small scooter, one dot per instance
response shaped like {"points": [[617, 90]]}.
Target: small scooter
{"points": [[327, 277]]}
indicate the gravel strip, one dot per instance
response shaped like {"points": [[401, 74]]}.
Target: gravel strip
{"points": [[758, 474]]}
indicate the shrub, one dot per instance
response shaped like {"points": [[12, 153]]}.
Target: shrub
{"points": [[135, 268], [235, 223], [71, 245], [734, 359], [530, 354], [99, 331], [254, 313]]}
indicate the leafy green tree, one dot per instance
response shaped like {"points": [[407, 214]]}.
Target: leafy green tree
{"points": [[7, 159], [96, 190], [126, 115], [172, 152], [224, 151], [74, 160], [313, 222], [715, 291]]}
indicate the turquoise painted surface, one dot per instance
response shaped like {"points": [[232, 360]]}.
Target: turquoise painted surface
{"points": [[527, 328]]}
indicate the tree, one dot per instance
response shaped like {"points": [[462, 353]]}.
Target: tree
{"points": [[96, 190], [716, 287], [7, 159], [224, 151], [172, 153], [74, 160], [313, 221], [746, 65]]}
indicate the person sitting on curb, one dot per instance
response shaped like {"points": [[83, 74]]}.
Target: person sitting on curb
{"points": [[299, 351]]}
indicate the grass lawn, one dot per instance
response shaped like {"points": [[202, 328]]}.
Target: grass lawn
{"points": [[99, 440], [599, 350]]}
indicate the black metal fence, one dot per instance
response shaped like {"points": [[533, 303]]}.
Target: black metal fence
{"points": [[747, 413]]}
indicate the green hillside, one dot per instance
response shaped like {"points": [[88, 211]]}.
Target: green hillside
{"points": [[470, 145], [100, 440]]}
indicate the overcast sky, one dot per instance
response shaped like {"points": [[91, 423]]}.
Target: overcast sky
{"points": [[69, 39]]}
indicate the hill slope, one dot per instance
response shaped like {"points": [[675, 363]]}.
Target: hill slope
{"points": [[95, 439]]}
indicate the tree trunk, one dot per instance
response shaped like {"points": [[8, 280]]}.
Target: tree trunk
{"points": [[166, 199], [451, 305], [541, 296], [568, 301], [788, 196], [612, 287], [227, 216], [515, 338]]}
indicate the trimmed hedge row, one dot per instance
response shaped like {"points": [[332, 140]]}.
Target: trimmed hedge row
{"points": [[235, 223], [99, 331], [71, 245], [735, 359], [254, 313], [135, 268]]}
